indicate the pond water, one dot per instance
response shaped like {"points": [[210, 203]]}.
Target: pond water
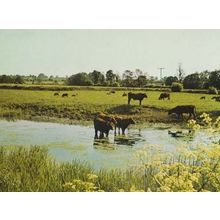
{"points": [[69, 142]]}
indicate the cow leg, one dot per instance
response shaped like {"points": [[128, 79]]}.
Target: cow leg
{"points": [[101, 135], [194, 115], [190, 115], [96, 134], [140, 102], [107, 132], [123, 131], [129, 101]]}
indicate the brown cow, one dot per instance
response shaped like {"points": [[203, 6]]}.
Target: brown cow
{"points": [[203, 97], [125, 94], [136, 96], [56, 94], [65, 95], [103, 127], [164, 95], [106, 117], [123, 123], [180, 109]]}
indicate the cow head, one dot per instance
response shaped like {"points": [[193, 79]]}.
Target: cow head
{"points": [[144, 95], [110, 125], [131, 121]]}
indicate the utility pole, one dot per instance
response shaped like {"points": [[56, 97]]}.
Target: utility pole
{"points": [[161, 72]]}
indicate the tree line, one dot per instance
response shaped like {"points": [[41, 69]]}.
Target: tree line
{"points": [[136, 78]]}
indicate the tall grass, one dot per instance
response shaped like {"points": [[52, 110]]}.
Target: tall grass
{"points": [[32, 169]]}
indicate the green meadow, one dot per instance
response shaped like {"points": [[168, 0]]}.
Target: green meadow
{"points": [[30, 104]]}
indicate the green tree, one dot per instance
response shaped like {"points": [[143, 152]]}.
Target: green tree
{"points": [[18, 79], [97, 77], [141, 80], [214, 79], [81, 79], [170, 79], [193, 81]]}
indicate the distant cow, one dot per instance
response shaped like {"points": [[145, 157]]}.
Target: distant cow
{"points": [[124, 94], [203, 97], [56, 94], [65, 95], [123, 123], [164, 95], [75, 94], [180, 109], [136, 96], [112, 91], [103, 127], [215, 97]]}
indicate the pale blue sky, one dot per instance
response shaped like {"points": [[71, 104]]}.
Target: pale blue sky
{"points": [[65, 52]]}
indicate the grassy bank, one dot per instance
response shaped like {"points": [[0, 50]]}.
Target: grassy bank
{"points": [[33, 169], [43, 105]]}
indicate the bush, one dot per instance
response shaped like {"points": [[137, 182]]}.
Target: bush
{"points": [[212, 90], [115, 84], [176, 87]]}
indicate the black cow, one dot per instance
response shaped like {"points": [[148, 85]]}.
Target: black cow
{"points": [[65, 95], [180, 109], [102, 126], [164, 95], [56, 94], [123, 123], [203, 97], [136, 96]]}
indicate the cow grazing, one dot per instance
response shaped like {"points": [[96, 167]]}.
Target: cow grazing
{"points": [[56, 94], [65, 95], [103, 127], [215, 97], [203, 97], [136, 96], [164, 95], [124, 94], [123, 123], [75, 94], [180, 109], [112, 91]]}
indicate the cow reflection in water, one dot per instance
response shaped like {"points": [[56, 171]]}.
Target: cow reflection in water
{"points": [[128, 139], [103, 143]]}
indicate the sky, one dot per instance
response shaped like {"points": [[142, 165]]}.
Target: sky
{"points": [[66, 52]]}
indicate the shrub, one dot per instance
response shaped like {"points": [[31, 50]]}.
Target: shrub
{"points": [[212, 90], [115, 84], [176, 87]]}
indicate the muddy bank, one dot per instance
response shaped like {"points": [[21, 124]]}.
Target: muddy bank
{"points": [[68, 115]]}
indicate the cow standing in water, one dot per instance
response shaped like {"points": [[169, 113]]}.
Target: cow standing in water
{"points": [[180, 109], [136, 96], [123, 123]]}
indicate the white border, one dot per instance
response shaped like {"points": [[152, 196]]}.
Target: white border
{"points": [[109, 14]]}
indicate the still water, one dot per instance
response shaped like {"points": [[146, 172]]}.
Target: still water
{"points": [[69, 142]]}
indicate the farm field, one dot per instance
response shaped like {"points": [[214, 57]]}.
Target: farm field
{"points": [[28, 104]]}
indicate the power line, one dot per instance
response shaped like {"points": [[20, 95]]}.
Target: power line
{"points": [[161, 72]]}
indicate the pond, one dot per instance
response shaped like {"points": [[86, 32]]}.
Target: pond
{"points": [[69, 142]]}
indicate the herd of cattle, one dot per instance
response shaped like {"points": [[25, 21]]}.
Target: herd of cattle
{"points": [[104, 123]]}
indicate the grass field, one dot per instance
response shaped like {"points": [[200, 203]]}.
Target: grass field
{"points": [[43, 104]]}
